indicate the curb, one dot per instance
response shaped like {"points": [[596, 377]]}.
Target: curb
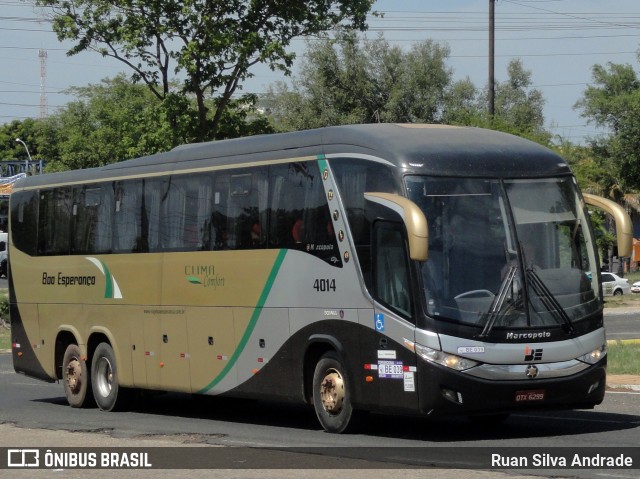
{"points": [[624, 387]]}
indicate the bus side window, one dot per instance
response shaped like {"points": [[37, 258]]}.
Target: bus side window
{"points": [[285, 212], [127, 217], [299, 213], [391, 267], [91, 220], [24, 221], [56, 209], [240, 209]]}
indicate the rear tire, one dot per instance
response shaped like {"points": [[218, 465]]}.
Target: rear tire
{"points": [[75, 378], [104, 378], [332, 395]]}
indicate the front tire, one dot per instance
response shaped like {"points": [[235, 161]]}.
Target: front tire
{"points": [[332, 394], [104, 378], [75, 377]]}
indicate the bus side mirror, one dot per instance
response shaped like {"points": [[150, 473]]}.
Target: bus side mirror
{"points": [[624, 226], [414, 220]]}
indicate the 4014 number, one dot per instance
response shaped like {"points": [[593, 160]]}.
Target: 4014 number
{"points": [[324, 285]]}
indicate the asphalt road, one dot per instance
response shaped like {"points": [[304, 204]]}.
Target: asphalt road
{"points": [[387, 442], [622, 323]]}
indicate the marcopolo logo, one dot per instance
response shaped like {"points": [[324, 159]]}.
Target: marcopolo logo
{"points": [[205, 275]]}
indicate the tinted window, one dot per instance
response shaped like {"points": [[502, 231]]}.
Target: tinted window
{"points": [[24, 221], [186, 212], [354, 179], [127, 217], [56, 211], [391, 272], [92, 219], [239, 218], [300, 217]]}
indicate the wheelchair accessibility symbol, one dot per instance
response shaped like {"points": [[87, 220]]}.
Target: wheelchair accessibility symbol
{"points": [[380, 322]]}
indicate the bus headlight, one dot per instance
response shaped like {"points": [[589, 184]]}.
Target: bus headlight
{"points": [[449, 360], [595, 355]]}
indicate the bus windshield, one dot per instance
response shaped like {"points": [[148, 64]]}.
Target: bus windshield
{"points": [[506, 253]]}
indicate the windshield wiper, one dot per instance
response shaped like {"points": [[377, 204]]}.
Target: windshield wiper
{"points": [[498, 301], [549, 301]]}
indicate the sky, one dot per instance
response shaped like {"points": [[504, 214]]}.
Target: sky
{"points": [[559, 41]]}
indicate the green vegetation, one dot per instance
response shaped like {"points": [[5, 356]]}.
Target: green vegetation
{"points": [[5, 338], [624, 358], [211, 46]]}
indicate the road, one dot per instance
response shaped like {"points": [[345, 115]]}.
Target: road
{"points": [[622, 323], [391, 441]]}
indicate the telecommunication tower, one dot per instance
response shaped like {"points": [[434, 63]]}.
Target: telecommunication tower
{"points": [[43, 75]]}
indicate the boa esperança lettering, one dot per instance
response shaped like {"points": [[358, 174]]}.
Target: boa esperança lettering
{"points": [[68, 280]]}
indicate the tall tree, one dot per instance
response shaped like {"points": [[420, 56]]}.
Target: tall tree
{"points": [[210, 44], [27, 131], [613, 102], [108, 122], [346, 80], [519, 108]]}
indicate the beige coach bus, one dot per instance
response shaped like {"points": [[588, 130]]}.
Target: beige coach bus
{"points": [[408, 269]]}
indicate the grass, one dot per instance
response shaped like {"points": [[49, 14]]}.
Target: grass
{"points": [[623, 358], [5, 338]]}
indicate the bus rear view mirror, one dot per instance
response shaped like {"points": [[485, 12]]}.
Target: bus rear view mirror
{"points": [[414, 219], [624, 226]]}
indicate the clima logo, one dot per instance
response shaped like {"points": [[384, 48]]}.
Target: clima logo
{"points": [[204, 275]]}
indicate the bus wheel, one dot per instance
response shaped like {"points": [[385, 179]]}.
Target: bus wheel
{"points": [[331, 394], [75, 377], [104, 379]]}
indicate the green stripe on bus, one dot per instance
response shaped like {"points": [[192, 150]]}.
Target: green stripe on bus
{"points": [[252, 322], [108, 289], [322, 162]]}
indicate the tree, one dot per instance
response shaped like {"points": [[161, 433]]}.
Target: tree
{"points": [[345, 80], [108, 122], [519, 108], [613, 102], [462, 105], [352, 80], [210, 44], [28, 131]]}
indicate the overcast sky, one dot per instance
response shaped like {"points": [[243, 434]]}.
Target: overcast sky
{"points": [[558, 40]]}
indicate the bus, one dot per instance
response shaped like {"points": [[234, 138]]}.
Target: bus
{"points": [[392, 268]]}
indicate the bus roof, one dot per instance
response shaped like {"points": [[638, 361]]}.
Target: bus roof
{"points": [[415, 148]]}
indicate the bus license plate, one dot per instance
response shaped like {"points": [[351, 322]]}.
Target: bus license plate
{"points": [[390, 369], [528, 396]]}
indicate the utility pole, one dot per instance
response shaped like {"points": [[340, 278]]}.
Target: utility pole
{"points": [[492, 87], [43, 76]]}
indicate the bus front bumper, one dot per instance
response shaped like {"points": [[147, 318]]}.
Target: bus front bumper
{"points": [[443, 391]]}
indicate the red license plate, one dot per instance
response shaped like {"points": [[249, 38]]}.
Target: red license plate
{"points": [[528, 396]]}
